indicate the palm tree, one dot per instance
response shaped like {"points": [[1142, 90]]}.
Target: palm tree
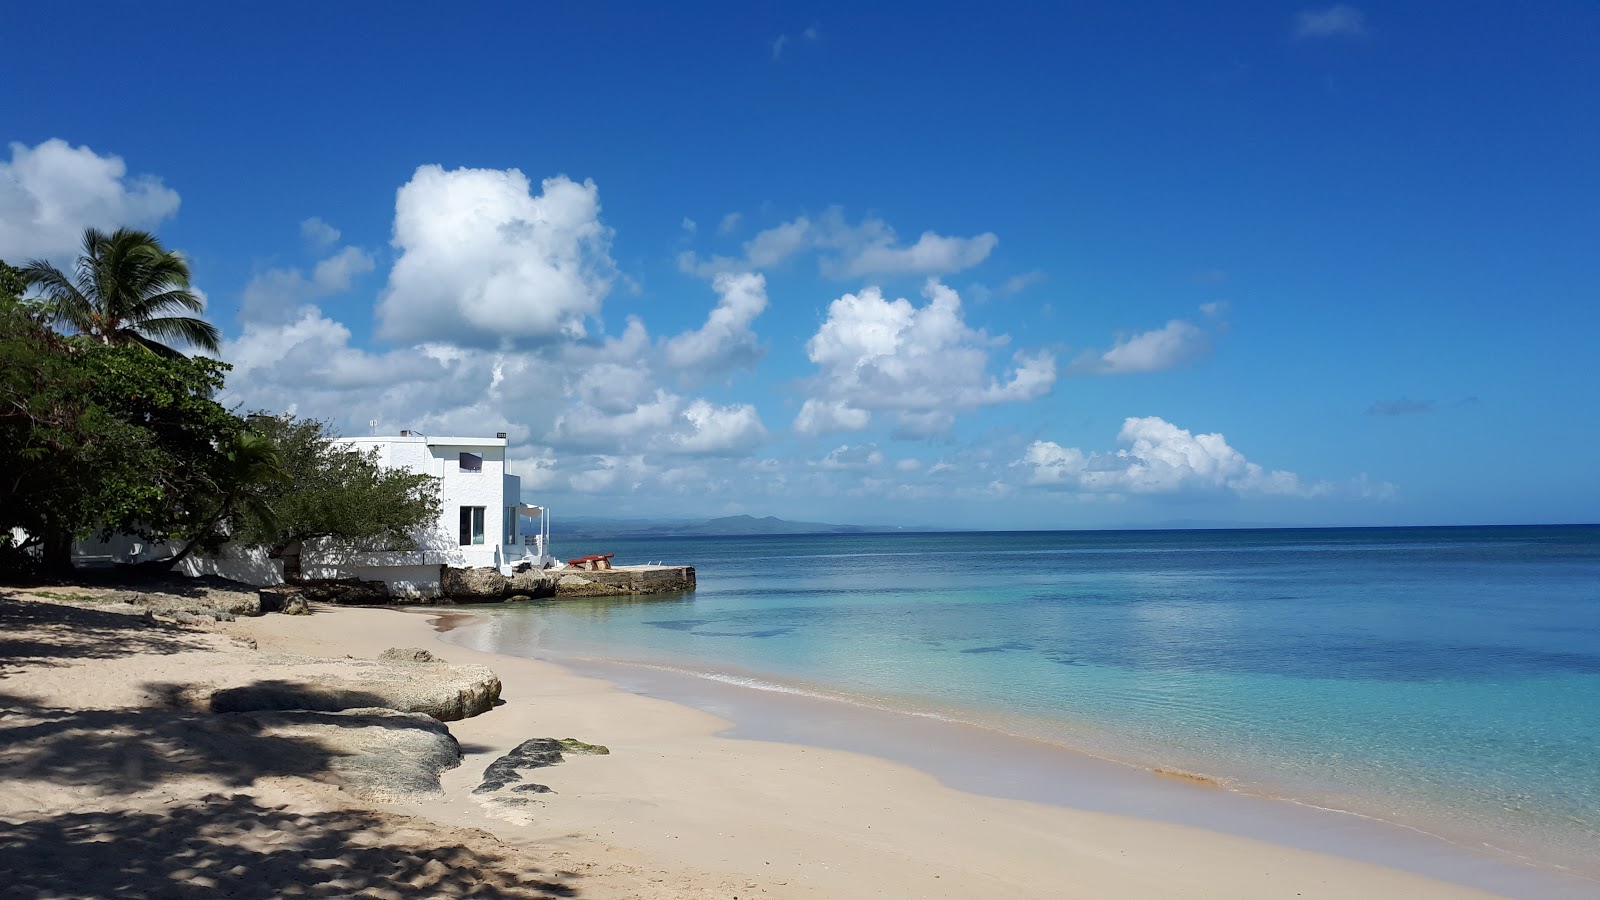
{"points": [[123, 291]]}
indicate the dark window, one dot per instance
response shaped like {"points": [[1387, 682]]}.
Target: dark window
{"points": [[471, 525], [471, 462]]}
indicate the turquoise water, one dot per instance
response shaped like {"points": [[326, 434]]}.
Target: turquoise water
{"points": [[1446, 678]]}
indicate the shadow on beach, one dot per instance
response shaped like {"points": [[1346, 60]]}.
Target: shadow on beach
{"points": [[234, 846], [33, 634]]}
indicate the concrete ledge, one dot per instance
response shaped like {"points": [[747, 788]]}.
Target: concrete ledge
{"points": [[621, 580]]}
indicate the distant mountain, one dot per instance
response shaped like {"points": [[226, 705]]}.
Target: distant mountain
{"points": [[582, 527], [773, 525]]}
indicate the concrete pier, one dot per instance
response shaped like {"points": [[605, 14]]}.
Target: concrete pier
{"points": [[621, 580]]}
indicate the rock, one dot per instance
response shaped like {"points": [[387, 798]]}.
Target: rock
{"points": [[580, 586], [534, 753], [472, 585], [296, 605], [532, 584], [378, 754], [345, 591], [503, 790], [443, 691], [408, 655]]}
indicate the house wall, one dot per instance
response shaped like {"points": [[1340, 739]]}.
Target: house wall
{"points": [[490, 488]]}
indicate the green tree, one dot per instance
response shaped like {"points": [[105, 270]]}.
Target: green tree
{"points": [[335, 492], [103, 438], [249, 472], [125, 289]]}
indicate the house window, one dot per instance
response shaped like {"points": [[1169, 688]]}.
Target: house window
{"points": [[471, 525], [471, 462], [511, 526]]}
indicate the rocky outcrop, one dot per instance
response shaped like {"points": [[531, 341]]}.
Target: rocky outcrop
{"points": [[472, 585], [626, 580], [486, 585], [345, 591], [431, 687], [378, 754], [503, 789]]}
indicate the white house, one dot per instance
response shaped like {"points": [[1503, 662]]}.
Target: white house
{"points": [[480, 515], [479, 525]]}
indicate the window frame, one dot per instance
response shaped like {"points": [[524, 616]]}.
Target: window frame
{"points": [[471, 533]]}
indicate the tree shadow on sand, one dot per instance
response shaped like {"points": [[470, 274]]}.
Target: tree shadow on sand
{"points": [[54, 633], [123, 751], [234, 846]]}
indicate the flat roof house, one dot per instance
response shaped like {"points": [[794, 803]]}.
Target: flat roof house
{"points": [[480, 515]]}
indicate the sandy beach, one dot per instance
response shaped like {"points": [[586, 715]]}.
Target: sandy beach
{"points": [[95, 804]]}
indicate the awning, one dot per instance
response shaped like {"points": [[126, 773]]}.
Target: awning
{"points": [[529, 510]]}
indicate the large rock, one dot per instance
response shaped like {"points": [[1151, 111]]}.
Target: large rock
{"points": [[345, 591], [378, 754], [505, 793], [473, 585], [445, 692]]}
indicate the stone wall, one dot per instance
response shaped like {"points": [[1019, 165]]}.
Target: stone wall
{"points": [[625, 580]]}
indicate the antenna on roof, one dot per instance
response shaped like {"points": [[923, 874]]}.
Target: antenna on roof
{"points": [[373, 424]]}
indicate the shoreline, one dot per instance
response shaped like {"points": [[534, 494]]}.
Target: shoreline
{"points": [[1060, 775], [677, 808], [714, 734]]}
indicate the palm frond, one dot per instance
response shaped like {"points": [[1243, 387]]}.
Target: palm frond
{"points": [[197, 332]]}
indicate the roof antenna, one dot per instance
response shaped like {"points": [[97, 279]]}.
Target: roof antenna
{"points": [[373, 424]]}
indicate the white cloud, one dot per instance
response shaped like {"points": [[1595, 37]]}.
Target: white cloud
{"points": [[484, 261], [1173, 344], [690, 225], [777, 46], [729, 223], [277, 295], [718, 430], [867, 248], [847, 458], [50, 193], [319, 233], [932, 254], [726, 340], [1160, 458], [829, 417], [923, 364], [1152, 351], [1339, 20]]}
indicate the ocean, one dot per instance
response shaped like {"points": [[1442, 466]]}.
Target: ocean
{"points": [[1442, 679]]}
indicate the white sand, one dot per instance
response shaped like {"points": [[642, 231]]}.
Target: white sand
{"points": [[673, 811]]}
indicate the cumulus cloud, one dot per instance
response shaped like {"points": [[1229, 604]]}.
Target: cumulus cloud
{"points": [[1339, 20], [847, 251], [485, 261], [932, 254], [726, 341], [921, 363], [50, 193], [847, 458], [1160, 458], [320, 234], [718, 430], [1173, 344], [277, 295], [314, 351], [830, 416]]}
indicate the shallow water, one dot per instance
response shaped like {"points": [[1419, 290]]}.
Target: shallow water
{"points": [[1443, 679]]}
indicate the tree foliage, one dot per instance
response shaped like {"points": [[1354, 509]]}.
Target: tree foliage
{"points": [[103, 438], [125, 289], [332, 491]]}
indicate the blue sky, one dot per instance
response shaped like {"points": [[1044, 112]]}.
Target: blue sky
{"points": [[954, 264]]}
